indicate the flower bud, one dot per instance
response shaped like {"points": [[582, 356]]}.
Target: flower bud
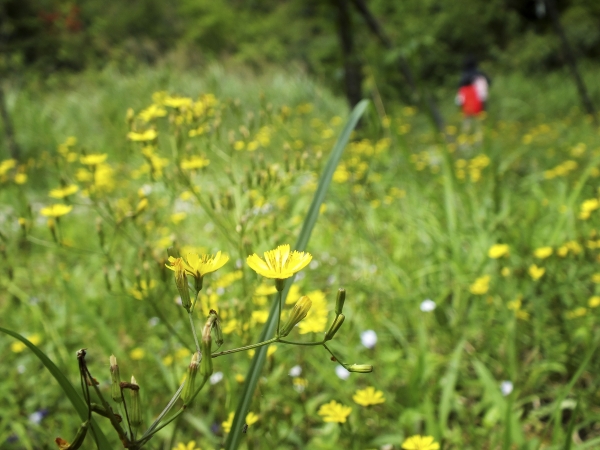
{"points": [[218, 329], [190, 381], [359, 368], [115, 377], [299, 312], [181, 282], [206, 366], [335, 326], [135, 415], [339, 302]]}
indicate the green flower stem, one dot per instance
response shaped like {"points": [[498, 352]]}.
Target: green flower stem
{"points": [[332, 354], [247, 347], [300, 343], [279, 315], [165, 411], [194, 332], [149, 435]]}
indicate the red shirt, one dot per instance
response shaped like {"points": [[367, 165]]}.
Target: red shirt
{"points": [[471, 103]]}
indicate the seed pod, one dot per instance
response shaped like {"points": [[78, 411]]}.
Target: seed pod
{"points": [[206, 366], [359, 368]]}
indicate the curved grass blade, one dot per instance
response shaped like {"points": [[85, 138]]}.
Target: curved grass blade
{"points": [[66, 386], [233, 440]]}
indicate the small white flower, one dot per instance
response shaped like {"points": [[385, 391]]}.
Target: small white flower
{"points": [[295, 371], [153, 321], [368, 338], [216, 377], [506, 387], [427, 305], [299, 276], [36, 417], [313, 264], [146, 189], [21, 368], [341, 372], [220, 290], [238, 263]]}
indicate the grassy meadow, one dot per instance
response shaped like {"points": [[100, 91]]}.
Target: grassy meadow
{"points": [[470, 260]]}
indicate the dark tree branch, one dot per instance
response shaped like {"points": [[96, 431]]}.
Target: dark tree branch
{"points": [[352, 68], [403, 66], [571, 60]]}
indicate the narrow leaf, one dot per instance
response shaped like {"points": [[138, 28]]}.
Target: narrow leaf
{"points": [[66, 386], [234, 438]]}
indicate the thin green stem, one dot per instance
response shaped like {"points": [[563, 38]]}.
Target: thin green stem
{"points": [[247, 347], [301, 343], [279, 314], [332, 354], [194, 332], [165, 411]]}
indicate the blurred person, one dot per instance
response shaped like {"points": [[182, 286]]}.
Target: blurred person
{"points": [[472, 94]]}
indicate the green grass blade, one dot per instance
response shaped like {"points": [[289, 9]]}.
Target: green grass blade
{"points": [[66, 386], [449, 386], [234, 438]]}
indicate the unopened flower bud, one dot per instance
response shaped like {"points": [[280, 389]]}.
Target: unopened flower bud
{"points": [[339, 302], [335, 326], [181, 283], [115, 377], [359, 368], [206, 366], [190, 381], [218, 330], [135, 414], [299, 312]]}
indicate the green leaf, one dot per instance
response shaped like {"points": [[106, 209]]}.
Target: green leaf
{"points": [[66, 386], [449, 386], [233, 440]]}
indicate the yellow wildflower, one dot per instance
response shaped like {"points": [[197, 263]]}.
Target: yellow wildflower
{"points": [[200, 265], [576, 313], [481, 285], [419, 442], [596, 278], [93, 159], [334, 412], [251, 419], [498, 251], [280, 263], [505, 271], [536, 272], [56, 210], [195, 162], [18, 346], [594, 301], [543, 252], [316, 319], [21, 178], [189, 446], [368, 397], [64, 191], [148, 135], [137, 353]]}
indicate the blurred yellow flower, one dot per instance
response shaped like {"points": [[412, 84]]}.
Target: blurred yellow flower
{"points": [[280, 263], [6, 165], [195, 162], [594, 301], [18, 346], [334, 412], [543, 252], [21, 178], [536, 272], [368, 397], [64, 191], [419, 442], [251, 419], [200, 265], [505, 271], [576, 313], [137, 353], [481, 285], [148, 135], [189, 446], [93, 159], [498, 251], [178, 217], [56, 210]]}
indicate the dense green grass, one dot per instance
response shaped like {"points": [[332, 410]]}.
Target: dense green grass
{"points": [[408, 218]]}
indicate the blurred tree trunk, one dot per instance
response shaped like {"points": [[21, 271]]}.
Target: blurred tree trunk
{"points": [[571, 59], [403, 66], [9, 131], [353, 76]]}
